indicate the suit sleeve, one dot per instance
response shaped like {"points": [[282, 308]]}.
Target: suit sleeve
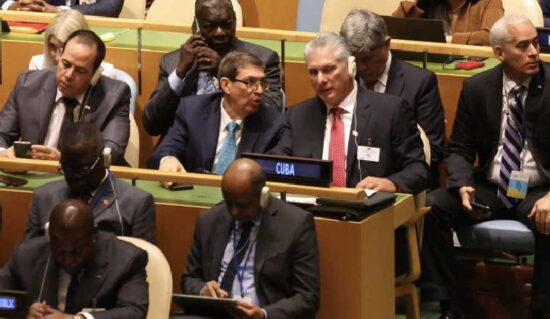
{"points": [[117, 129], [133, 294], [429, 113], [274, 96], [461, 152], [412, 171], [304, 277], [175, 141], [163, 103], [144, 221], [9, 117], [105, 8], [9, 276], [192, 280]]}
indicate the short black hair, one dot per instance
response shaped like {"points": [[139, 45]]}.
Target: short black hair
{"points": [[83, 135], [236, 60], [89, 38], [206, 3]]}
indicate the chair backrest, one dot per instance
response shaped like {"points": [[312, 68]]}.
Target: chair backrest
{"points": [[182, 11], [159, 278], [335, 11], [131, 155], [308, 15], [133, 9], [530, 8]]}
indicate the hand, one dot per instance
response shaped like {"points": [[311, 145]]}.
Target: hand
{"points": [[170, 164], [467, 194], [56, 314], [245, 310], [208, 60], [37, 310], [541, 214], [44, 153], [43, 6], [8, 152], [188, 51], [377, 183], [212, 289], [22, 5]]}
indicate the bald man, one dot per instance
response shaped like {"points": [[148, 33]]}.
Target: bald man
{"points": [[277, 257], [78, 270]]}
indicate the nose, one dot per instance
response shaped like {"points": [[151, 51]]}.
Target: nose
{"points": [[219, 32], [321, 78], [69, 73], [532, 49]]}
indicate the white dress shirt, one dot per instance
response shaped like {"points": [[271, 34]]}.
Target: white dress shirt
{"points": [[56, 119], [382, 83], [527, 165], [348, 105]]}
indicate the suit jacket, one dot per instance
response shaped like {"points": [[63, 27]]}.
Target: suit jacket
{"points": [[286, 264], [136, 209], [419, 88], [27, 113], [476, 130], [159, 111], [194, 135], [115, 279], [382, 121]]}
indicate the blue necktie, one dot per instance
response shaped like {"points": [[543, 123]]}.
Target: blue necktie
{"points": [[229, 149], [238, 255], [206, 84], [512, 144]]}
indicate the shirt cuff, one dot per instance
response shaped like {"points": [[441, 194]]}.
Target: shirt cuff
{"points": [[64, 8], [265, 312], [86, 314], [176, 84], [164, 158], [7, 4]]}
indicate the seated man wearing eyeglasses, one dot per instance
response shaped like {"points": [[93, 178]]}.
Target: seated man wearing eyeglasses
{"points": [[117, 207], [211, 130]]}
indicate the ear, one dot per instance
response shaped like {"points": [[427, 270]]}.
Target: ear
{"points": [[224, 85], [387, 42], [498, 52]]}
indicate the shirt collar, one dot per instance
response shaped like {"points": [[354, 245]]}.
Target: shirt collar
{"points": [[508, 84], [79, 98], [384, 77], [226, 119], [348, 104]]}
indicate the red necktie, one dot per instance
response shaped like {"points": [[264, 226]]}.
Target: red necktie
{"points": [[337, 152]]}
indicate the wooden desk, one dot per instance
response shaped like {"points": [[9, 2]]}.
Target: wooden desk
{"points": [[356, 258]]}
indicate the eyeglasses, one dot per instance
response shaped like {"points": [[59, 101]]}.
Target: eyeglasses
{"points": [[252, 85], [78, 170]]}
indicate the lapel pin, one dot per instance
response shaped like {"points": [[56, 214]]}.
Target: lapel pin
{"points": [[106, 202]]}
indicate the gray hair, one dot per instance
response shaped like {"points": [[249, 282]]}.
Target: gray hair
{"points": [[500, 32], [364, 31], [329, 39]]}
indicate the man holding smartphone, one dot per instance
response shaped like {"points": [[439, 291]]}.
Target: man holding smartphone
{"points": [[501, 125], [192, 69]]}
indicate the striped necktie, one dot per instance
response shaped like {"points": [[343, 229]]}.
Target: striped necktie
{"points": [[514, 138], [229, 149], [337, 153]]}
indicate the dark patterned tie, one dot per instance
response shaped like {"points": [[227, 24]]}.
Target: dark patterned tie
{"points": [[514, 138], [238, 255], [71, 294]]}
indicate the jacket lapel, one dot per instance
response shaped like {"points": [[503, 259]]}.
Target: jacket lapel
{"points": [[44, 104], [92, 279], [250, 133], [219, 241], [46, 277], [363, 117], [105, 198], [265, 244], [211, 116], [396, 82], [317, 132], [495, 103], [90, 107]]}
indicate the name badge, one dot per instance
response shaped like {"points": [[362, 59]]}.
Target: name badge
{"points": [[517, 187], [368, 153]]}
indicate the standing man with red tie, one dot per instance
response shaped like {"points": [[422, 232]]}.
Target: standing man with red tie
{"points": [[371, 138]]}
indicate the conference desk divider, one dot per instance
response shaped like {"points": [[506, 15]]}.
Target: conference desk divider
{"points": [[356, 258]]}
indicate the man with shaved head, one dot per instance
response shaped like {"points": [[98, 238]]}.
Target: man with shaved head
{"points": [[77, 272], [256, 248]]}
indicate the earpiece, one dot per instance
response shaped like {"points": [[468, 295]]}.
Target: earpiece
{"points": [[107, 157], [47, 230], [264, 197], [96, 76], [352, 67]]}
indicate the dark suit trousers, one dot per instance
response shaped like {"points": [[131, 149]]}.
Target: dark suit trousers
{"points": [[437, 256]]}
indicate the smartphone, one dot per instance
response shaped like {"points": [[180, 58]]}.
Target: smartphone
{"points": [[180, 187], [21, 148], [480, 206], [195, 27]]}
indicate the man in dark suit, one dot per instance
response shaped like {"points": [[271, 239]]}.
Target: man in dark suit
{"points": [[106, 8], [192, 69], [78, 270], [502, 124], [373, 142], [276, 246], [36, 108], [212, 130], [367, 36], [117, 207]]}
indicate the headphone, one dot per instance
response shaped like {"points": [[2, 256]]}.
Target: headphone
{"points": [[264, 197], [352, 66], [96, 76], [107, 156], [93, 81]]}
